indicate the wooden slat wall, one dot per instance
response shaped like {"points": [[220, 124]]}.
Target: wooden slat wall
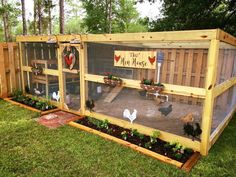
{"points": [[9, 68], [181, 67]]}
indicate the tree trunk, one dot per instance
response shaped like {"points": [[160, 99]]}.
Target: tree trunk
{"points": [[40, 16], [7, 33], [110, 16], [49, 20], [23, 17], [107, 16], [35, 15], [62, 30]]}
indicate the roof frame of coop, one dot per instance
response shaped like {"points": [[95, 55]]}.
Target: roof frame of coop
{"points": [[209, 39]]}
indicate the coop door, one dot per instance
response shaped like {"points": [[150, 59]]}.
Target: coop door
{"points": [[71, 76], [40, 69]]}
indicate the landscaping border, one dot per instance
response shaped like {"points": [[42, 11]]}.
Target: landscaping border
{"points": [[30, 108], [187, 166]]}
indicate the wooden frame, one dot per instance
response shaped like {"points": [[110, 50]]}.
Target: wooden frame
{"points": [[210, 38]]}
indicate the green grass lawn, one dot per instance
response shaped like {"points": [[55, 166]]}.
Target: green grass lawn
{"points": [[29, 149]]}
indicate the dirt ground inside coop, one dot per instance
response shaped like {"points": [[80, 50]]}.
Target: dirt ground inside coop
{"points": [[147, 111]]}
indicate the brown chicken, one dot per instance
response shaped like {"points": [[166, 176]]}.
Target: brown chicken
{"points": [[188, 118]]}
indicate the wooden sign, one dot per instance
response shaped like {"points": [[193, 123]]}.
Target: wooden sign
{"points": [[135, 59]]}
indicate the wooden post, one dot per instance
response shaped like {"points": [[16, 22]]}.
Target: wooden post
{"points": [[61, 80], [209, 100], [83, 70], [21, 65]]}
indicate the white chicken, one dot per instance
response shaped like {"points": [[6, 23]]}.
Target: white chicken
{"points": [[131, 117], [37, 92], [56, 96]]}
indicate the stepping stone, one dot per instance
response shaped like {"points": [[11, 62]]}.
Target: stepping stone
{"points": [[57, 119]]}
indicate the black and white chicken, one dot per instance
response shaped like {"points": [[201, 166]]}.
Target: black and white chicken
{"points": [[90, 105], [192, 130], [165, 110]]}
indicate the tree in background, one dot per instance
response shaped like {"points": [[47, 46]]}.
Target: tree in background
{"points": [[197, 14], [48, 9], [9, 13], [96, 15], [23, 17], [73, 13], [127, 18], [112, 16], [40, 4], [4, 13], [62, 20]]}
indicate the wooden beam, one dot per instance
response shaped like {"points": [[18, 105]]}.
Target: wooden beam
{"points": [[226, 37], [169, 88], [163, 45], [218, 131], [3, 81], [169, 137], [12, 67], [34, 38], [83, 70], [62, 88], [153, 36], [150, 36], [49, 38], [209, 101], [21, 66], [45, 71], [219, 89]]}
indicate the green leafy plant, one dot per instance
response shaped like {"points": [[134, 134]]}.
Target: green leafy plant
{"points": [[16, 93], [178, 156], [155, 135], [104, 124], [109, 131], [177, 148], [134, 132], [124, 135], [148, 145], [141, 136]]}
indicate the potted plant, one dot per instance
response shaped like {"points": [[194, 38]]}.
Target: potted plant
{"points": [[111, 80], [150, 85]]}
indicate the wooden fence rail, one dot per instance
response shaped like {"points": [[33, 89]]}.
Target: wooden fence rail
{"points": [[9, 68]]}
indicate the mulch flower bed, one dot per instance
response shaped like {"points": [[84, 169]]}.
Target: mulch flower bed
{"points": [[153, 143], [34, 103]]}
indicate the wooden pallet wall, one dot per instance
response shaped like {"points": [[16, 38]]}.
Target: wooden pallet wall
{"points": [[9, 68]]}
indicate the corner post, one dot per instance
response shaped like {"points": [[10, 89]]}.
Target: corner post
{"points": [[21, 65], [83, 70], [61, 83], [210, 81]]}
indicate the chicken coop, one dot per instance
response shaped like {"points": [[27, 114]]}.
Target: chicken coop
{"points": [[144, 81]]}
